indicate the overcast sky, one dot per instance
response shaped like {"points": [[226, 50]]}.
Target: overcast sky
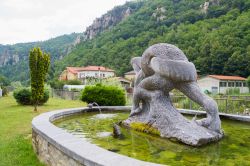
{"points": [[35, 20]]}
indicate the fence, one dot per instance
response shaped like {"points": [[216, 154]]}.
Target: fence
{"points": [[67, 95], [226, 104]]}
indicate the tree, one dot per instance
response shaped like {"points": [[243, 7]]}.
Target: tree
{"points": [[248, 82], [4, 81], [39, 64]]}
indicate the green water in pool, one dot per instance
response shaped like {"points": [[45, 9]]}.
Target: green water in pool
{"points": [[233, 149]]}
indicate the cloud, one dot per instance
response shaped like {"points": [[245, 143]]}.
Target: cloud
{"points": [[33, 20]]}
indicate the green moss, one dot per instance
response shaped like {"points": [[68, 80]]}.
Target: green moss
{"points": [[142, 127]]}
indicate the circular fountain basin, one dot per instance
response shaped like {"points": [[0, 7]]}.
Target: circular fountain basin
{"points": [[75, 143]]}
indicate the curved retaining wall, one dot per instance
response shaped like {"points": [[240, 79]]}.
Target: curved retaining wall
{"points": [[55, 146]]}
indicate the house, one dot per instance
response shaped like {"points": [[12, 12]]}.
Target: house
{"points": [[221, 83], [81, 73], [124, 82], [130, 75]]}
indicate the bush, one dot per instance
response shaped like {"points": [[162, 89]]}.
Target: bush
{"points": [[16, 84], [74, 82], [56, 84], [23, 97], [233, 91], [248, 82], [104, 95], [5, 91]]}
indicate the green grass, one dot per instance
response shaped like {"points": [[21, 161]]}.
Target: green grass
{"points": [[15, 130]]}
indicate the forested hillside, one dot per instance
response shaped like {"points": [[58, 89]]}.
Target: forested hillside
{"points": [[14, 58], [214, 34]]}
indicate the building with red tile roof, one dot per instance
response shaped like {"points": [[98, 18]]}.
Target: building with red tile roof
{"points": [[221, 83], [222, 77], [130, 75], [73, 73]]}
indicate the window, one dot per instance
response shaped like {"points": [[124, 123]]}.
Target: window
{"points": [[96, 75], [223, 84], [230, 84], [82, 75], [103, 75], [244, 84], [238, 84]]}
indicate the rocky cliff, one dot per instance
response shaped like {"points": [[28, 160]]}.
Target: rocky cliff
{"points": [[58, 47], [204, 7], [107, 21], [7, 56]]}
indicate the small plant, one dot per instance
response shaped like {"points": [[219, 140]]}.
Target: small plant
{"points": [[233, 91], [23, 97], [107, 95], [144, 128]]}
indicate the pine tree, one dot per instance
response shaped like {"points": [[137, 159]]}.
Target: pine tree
{"points": [[39, 64]]}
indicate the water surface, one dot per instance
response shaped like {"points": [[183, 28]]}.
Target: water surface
{"points": [[233, 149]]}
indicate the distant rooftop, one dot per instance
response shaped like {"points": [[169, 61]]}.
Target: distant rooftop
{"points": [[222, 77], [130, 73], [88, 68]]}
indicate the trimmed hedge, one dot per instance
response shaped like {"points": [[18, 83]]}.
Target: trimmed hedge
{"points": [[23, 96], [104, 95]]}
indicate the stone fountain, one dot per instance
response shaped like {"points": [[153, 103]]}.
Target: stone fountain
{"points": [[162, 68]]}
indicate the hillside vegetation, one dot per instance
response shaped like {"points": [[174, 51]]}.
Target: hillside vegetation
{"points": [[14, 58], [215, 38]]}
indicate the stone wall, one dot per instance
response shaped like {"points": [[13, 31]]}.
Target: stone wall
{"points": [[49, 154], [56, 147]]}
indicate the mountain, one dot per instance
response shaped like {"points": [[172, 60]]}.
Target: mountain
{"points": [[214, 34], [14, 58]]}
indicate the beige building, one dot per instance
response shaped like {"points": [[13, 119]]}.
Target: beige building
{"points": [[130, 75], [81, 73], [220, 83]]}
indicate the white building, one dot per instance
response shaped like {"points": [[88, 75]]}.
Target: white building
{"points": [[81, 73], [95, 72], [220, 83]]}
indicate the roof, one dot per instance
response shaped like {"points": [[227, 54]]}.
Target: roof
{"points": [[130, 73], [222, 77], [88, 68], [121, 79]]}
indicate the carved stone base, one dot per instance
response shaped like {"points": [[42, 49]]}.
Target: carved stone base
{"points": [[159, 113]]}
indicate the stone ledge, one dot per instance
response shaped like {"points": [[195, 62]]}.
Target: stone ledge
{"points": [[222, 115], [55, 146]]}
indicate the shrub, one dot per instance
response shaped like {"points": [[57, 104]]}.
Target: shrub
{"points": [[233, 91], [107, 95], [56, 84], [248, 82], [74, 82], [16, 84], [23, 97], [4, 91]]}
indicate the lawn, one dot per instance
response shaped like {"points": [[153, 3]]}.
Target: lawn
{"points": [[15, 129]]}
